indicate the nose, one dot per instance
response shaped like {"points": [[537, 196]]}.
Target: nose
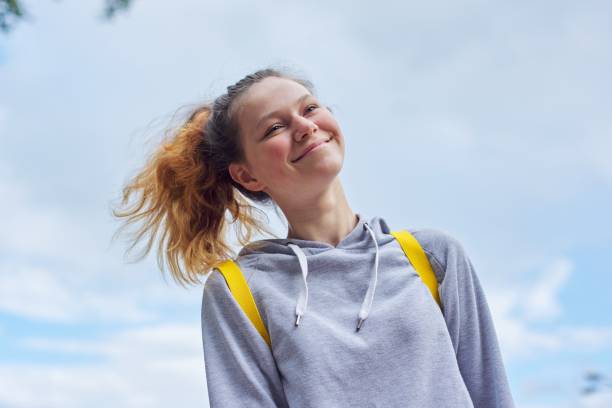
{"points": [[304, 128]]}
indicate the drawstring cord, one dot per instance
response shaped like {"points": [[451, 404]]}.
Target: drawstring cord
{"points": [[303, 298], [366, 305]]}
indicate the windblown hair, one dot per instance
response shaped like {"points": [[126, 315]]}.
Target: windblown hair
{"points": [[184, 190]]}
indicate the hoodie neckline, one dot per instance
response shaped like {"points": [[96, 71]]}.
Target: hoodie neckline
{"points": [[355, 236], [357, 239]]}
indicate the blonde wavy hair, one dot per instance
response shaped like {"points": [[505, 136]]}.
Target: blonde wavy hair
{"points": [[180, 198]]}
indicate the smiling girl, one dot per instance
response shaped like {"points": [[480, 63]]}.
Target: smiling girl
{"points": [[343, 311]]}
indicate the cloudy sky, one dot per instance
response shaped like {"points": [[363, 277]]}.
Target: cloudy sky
{"points": [[489, 120]]}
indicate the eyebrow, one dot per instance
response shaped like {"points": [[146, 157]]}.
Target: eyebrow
{"points": [[267, 116]]}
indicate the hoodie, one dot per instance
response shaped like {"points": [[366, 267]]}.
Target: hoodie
{"points": [[353, 325]]}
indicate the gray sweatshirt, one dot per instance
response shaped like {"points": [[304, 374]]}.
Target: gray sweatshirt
{"points": [[407, 352]]}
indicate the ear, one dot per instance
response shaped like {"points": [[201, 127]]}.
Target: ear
{"points": [[241, 175]]}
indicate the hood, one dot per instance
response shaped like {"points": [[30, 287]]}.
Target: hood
{"points": [[366, 235]]}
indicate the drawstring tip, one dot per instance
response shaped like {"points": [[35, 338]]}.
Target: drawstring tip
{"points": [[297, 320], [360, 323]]}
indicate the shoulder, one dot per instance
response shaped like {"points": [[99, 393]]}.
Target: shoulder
{"points": [[216, 285], [215, 289], [441, 248], [214, 282], [219, 297], [438, 242]]}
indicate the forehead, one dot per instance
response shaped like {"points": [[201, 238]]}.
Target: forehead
{"points": [[266, 96]]}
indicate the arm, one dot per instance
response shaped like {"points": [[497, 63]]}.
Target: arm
{"points": [[469, 323], [240, 368]]}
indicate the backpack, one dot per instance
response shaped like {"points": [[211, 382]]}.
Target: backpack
{"points": [[242, 294]]}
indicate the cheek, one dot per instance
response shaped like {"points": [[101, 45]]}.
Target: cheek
{"points": [[276, 150], [328, 123]]}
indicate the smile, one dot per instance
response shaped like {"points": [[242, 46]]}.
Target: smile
{"points": [[311, 149]]}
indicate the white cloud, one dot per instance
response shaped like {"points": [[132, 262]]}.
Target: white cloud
{"points": [[57, 267], [155, 366], [33, 293], [35, 230], [597, 400], [52, 262], [601, 400], [166, 339], [39, 293], [542, 301], [520, 340], [589, 338], [519, 311]]}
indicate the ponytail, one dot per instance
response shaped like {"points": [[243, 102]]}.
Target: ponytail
{"points": [[181, 199], [184, 191]]}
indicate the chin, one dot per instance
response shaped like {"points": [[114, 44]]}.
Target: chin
{"points": [[327, 168]]}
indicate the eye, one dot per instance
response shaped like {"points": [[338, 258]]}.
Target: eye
{"points": [[311, 106], [273, 128], [277, 126]]}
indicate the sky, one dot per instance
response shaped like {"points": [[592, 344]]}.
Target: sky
{"points": [[489, 120]]}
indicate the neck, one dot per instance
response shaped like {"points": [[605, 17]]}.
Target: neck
{"points": [[327, 218]]}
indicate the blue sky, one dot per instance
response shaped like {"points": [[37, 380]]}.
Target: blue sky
{"points": [[487, 119]]}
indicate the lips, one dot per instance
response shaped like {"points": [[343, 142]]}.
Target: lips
{"points": [[312, 146]]}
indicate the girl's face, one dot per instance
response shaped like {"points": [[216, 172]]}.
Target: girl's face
{"points": [[279, 121]]}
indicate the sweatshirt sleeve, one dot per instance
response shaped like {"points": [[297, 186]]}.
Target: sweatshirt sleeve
{"points": [[469, 321], [240, 368]]}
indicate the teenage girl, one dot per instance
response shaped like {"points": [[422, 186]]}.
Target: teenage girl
{"points": [[347, 320]]}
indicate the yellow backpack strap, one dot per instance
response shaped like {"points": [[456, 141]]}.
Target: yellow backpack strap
{"points": [[241, 292], [418, 259]]}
